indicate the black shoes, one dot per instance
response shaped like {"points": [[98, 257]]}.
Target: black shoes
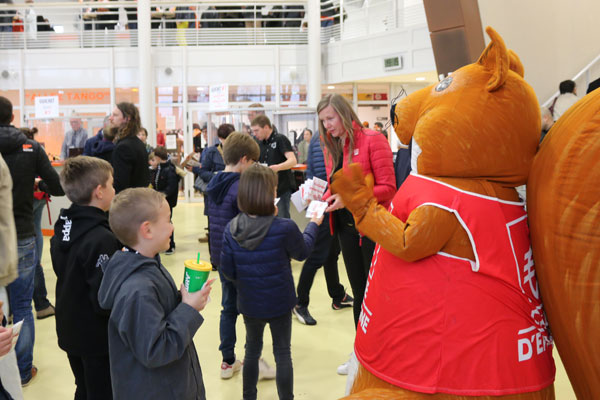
{"points": [[347, 301], [304, 316]]}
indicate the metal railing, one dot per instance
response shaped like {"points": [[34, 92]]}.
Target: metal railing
{"points": [[582, 79], [226, 22]]}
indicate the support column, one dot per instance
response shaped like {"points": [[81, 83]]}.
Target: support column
{"points": [[21, 88], [147, 112], [314, 52]]}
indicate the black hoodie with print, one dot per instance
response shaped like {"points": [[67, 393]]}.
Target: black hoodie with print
{"points": [[82, 244]]}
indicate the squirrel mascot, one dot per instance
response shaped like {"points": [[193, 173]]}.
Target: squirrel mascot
{"points": [[563, 197], [452, 307]]}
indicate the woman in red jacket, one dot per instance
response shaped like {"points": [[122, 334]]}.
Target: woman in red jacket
{"points": [[346, 141]]}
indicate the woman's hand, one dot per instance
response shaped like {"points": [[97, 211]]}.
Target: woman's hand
{"points": [[335, 203]]}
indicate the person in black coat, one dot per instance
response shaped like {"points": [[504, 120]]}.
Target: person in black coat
{"points": [[81, 246], [164, 179], [25, 159], [129, 158]]}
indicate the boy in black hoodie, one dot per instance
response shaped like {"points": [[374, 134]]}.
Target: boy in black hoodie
{"points": [[81, 245], [164, 179], [151, 325]]}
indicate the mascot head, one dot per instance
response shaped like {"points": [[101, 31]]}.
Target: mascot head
{"points": [[481, 122]]}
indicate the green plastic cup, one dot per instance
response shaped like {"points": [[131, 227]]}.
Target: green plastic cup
{"points": [[195, 274]]}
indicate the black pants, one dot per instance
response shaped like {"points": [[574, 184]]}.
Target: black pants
{"points": [[357, 252], [281, 332], [325, 253], [92, 377], [172, 238]]}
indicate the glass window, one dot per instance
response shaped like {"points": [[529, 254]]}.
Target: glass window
{"points": [[130, 95], [169, 94], [293, 93], [198, 94]]}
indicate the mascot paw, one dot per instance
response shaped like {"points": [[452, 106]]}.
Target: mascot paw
{"points": [[355, 189]]}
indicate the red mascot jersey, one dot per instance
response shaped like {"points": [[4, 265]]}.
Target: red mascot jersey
{"points": [[451, 325]]}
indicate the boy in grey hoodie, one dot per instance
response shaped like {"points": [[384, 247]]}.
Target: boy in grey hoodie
{"points": [[151, 325]]}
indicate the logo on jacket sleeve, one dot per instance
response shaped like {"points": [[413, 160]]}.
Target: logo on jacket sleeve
{"points": [[27, 148], [66, 230], [102, 260]]}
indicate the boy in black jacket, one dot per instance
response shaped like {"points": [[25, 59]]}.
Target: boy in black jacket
{"points": [[82, 244], [164, 179]]}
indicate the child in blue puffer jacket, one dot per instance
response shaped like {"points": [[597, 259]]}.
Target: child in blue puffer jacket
{"points": [[257, 247]]}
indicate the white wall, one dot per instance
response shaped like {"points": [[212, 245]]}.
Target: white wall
{"points": [[555, 39]]}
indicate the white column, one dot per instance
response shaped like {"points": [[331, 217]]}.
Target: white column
{"points": [[22, 115], [145, 67], [277, 78], [113, 101], [355, 96], [314, 52]]}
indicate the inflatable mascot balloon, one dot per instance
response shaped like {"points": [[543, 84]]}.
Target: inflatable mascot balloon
{"points": [[452, 307], [564, 203]]}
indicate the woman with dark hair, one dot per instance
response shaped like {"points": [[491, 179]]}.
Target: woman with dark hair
{"points": [[347, 141], [129, 158]]}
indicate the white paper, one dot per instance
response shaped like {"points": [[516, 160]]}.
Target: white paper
{"points": [[298, 202], [171, 142], [170, 122], [316, 209], [46, 106], [16, 329]]}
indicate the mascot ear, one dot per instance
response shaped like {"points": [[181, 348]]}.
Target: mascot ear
{"points": [[515, 63], [495, 59]]}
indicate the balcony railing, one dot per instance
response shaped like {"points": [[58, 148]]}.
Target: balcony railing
{"points": [[274, 22]]}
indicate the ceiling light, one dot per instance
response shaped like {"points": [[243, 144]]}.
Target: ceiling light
{"points": [[330, 87], [420, 78]]}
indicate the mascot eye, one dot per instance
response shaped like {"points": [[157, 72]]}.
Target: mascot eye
{"points": [[443, 84]]}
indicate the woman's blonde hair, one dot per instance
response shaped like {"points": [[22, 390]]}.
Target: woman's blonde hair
{"points": [[335, 146]]}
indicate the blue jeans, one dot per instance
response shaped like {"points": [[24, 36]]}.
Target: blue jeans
{"points": [[281, 332], [229, 315], [283, 207], [40, 295], [20, 294]]}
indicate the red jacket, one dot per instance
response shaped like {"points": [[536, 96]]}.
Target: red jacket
{"points": [[372, 151]]}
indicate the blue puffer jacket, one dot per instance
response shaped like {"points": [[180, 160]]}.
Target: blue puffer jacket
{"points": [[315, 163], [221, 196], [212, 162], [256, 258]]}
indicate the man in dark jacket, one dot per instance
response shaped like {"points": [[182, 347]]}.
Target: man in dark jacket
{"points": [[81, 245], [276, 151], [325, 252], [89, 144], [26, 159]]}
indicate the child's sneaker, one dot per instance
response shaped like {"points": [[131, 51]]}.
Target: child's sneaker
{"points": [[227, 370], [347, 301], [304, 316], [170, 251], [265, 371]]}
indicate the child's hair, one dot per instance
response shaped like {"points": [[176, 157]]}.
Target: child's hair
{"points": [[151, 156], [161, 152], [81, 175], [256, 191], [129, 209], [29, 132], [238, 145]]}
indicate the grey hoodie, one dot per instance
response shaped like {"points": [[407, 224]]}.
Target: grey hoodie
{"points": [[150, 331]]}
